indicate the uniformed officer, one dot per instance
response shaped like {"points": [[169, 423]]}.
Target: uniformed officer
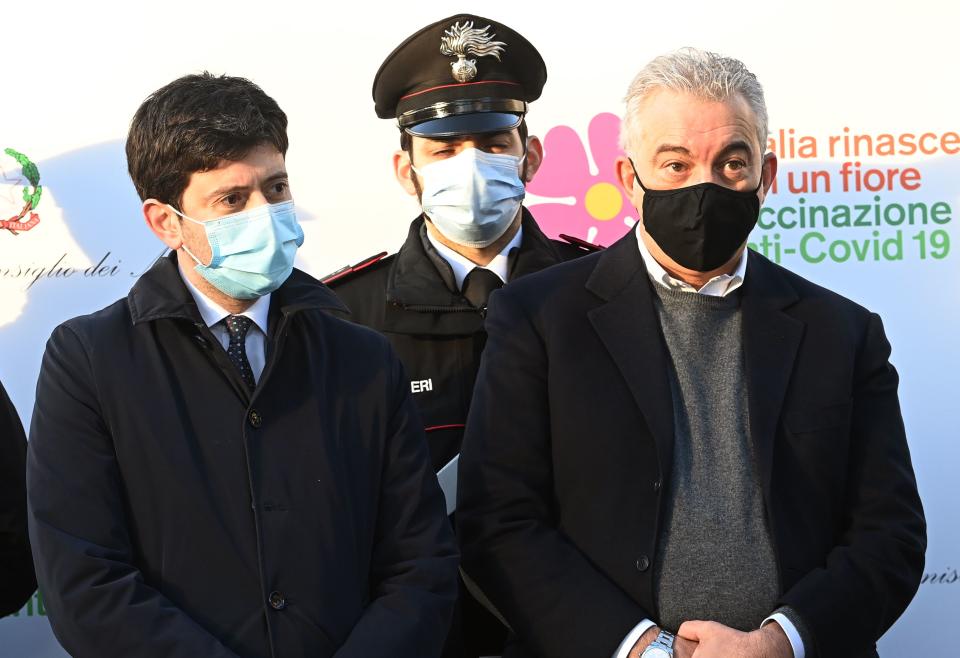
{"points": [[459, 90]]}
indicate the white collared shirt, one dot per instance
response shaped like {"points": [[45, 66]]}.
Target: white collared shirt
{"points": [[719, 286], [462, 266], [213, 315]]}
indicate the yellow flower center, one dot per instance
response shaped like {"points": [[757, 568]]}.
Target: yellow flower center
{"points": [[603, 201]]}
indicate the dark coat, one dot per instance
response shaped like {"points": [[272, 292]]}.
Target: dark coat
{"points": [[568, 450], [17, 580], [174, 514], [411, 298]]}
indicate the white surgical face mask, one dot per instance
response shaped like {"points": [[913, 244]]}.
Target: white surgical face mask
{"points": [[473, 197]]}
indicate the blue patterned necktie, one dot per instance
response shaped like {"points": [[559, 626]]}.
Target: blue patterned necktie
{"points": [[237, 327]]}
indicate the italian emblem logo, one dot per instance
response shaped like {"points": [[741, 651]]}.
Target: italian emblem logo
{"points": [[23, 206]]}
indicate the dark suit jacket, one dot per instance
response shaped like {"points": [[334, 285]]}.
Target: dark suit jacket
{"points": [[17, 581], [569, 445], [175, 514]]}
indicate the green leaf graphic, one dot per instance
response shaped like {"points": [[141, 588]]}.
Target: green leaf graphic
{"points": [[32, 173], [29, 169]]}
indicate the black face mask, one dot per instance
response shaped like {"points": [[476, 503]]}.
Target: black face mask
{"points": [[700, 226]]}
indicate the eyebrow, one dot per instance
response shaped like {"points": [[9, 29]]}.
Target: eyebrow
{"points": [[229, 189], [671, 148], [280, 175], [738, 145]]}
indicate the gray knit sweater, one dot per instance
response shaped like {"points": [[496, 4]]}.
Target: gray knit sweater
{"points": [[715, 558]]}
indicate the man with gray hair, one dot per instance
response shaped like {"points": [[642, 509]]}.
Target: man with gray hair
{"points": [[677, 447]]}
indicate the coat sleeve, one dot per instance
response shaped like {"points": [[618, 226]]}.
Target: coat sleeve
{"points": [[97, 601], [553, 597], [415, 562], [16, 564], [874, 570]]}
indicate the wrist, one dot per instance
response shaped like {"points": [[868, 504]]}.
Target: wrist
{"points": [[644, 641], [774, 641]]}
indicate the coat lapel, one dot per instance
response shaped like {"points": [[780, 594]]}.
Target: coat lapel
{"points": [[628, 327], [771, 339]]}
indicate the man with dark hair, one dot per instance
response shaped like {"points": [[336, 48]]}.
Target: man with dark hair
{"points": [[16, 565], [459, 91], [217, 466]]}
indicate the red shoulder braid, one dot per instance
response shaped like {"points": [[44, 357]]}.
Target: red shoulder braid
{"points": [[347, 270], [588, 247]]}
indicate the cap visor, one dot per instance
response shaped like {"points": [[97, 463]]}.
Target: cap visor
{"points": [[476, 123]]}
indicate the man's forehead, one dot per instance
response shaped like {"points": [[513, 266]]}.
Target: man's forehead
{"points": [[250, 172], [670, 117], [261, 161]]}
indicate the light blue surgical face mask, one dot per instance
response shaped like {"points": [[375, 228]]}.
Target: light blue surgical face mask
{"points": [[473, 197], [252, 250]]}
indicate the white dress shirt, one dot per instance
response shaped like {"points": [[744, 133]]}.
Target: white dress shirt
{"points": [[719, 286], [462, 266], [213, 315]]}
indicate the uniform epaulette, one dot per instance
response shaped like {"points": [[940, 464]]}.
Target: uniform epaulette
{"points": [[347, 270], [589, 247]]}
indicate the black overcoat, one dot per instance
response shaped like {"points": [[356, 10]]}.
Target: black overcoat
{"points": [[174, 514], [17, 581], [567, 454]]}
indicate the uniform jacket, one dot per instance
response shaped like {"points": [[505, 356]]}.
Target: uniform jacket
{"points": [[174, 514], [411, 298], [17, 581], [567, 452]]}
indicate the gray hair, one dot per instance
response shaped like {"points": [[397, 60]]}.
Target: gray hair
{"points": [[703, 74]]}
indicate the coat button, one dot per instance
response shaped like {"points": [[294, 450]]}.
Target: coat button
{"points": [[643, 563], [657, 484], [277, 601], [256, 420]]}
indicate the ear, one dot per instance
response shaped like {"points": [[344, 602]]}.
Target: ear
{"points": [[163, 222], [768, 173], [627, 177], [534, 158], [403, 170]]}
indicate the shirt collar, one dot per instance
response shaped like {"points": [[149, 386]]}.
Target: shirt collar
{"points": [[462, 266], [212, 313], [719, 286]]}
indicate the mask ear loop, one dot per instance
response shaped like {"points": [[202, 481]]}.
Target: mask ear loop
{"points": [[184, 244], [636, 175], [523, 160]]}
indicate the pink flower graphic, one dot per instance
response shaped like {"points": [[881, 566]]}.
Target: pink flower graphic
{"points": [[600, 213]]}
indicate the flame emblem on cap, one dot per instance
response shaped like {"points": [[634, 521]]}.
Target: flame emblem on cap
{"points": [[463, 40]]}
